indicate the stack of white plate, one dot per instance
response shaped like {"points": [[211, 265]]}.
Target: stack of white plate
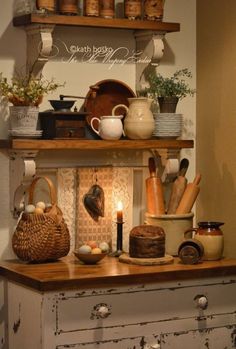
{"points": [[168, 125], [25, 133]]}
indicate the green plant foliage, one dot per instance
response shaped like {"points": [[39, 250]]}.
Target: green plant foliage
{"points": [[175, 85], [26, 90]]}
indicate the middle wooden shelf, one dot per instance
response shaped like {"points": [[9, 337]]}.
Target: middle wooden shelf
{"points": [[59, 144]]}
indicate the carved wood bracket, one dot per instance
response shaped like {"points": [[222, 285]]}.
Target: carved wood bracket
{"points": [[150, 43], [39, 47], [22, 170]]}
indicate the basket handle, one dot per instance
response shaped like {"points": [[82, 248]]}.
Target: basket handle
{"points": [[53, 195]]}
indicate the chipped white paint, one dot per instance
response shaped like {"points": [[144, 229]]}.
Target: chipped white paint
{"points": [[161, 315]]}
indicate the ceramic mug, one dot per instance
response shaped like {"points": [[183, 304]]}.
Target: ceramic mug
{"points": [[109, 127]]}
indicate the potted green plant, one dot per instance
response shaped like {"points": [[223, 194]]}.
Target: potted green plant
{"points": [[25, 93], [169, 90]]}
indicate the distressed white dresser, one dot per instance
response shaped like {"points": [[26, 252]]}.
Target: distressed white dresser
{"points": [[113, 305]]}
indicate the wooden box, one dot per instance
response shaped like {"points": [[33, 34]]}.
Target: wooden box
{"points": [[58, 124]]}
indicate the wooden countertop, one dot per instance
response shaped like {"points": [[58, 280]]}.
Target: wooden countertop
{"points": [[69, 273]]}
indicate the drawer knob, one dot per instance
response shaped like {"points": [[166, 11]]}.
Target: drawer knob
{"points": [[202, 302], [101, 311], [152, 346]]}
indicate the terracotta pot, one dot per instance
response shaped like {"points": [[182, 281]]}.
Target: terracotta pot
{"points": [[168, 104]]}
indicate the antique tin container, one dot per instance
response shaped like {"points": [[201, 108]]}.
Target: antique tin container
{"points": [[133, 9]]}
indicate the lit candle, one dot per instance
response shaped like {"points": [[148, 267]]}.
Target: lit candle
{"points": [[119, 212]]}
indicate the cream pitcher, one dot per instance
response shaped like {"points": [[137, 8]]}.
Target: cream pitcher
{"points": [[139, 122], [109, 127]]}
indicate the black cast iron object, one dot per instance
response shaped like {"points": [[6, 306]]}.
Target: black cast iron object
{"points": [[94, 202]]}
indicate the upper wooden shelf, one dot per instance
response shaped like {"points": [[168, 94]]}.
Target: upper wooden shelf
{"points": [[31, 144], [118, 23]]}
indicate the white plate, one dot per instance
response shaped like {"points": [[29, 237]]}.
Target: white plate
{"points": [[33, 134], [29, 133]]}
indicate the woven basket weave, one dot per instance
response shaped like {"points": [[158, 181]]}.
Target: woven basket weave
{"points": [[41, 237]]}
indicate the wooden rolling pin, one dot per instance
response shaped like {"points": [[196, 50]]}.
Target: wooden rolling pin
{"points": [[154, 191], [189, 196], [178, 187]]}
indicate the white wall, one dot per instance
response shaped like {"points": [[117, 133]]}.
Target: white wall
{"points": [[180, 53]]}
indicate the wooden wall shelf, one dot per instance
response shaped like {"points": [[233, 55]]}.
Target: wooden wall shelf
{"points": [[116, 23], [59, 144], [67, 273]]}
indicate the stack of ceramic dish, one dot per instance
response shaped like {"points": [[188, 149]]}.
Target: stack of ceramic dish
{"points": [[168, 125], [25, 133]]}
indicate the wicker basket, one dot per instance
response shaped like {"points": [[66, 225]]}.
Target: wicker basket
{"points": [[41, 237]]}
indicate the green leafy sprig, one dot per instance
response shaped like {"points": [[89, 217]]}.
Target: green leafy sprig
{"points": [[26, 90], [175, 85]]}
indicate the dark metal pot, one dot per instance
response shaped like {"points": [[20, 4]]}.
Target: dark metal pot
{"points": [[62, 104]]}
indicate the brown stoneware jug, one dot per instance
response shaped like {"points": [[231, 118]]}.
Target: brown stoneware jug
{"points": [[212, 239]]}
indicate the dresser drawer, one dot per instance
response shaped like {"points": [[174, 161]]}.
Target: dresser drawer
{"points": [[109, 308]]}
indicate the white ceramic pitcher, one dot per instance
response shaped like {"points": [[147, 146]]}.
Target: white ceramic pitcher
{"points": [[139, 122], [109, 127]]}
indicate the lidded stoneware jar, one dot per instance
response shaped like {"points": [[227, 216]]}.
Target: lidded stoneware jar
{"points": [[212, 239]]}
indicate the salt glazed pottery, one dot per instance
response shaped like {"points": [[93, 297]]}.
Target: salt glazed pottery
{"points": [[139, 121], [212, 239]]}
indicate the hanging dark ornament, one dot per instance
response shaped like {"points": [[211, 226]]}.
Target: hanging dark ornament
{"points": [[94, 201]]}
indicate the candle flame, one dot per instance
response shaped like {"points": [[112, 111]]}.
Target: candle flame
{"points": [[119, 206]]}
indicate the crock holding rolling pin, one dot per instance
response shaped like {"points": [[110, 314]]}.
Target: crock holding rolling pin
{"points": [[109, 127], [212, 239], [139, 122]]}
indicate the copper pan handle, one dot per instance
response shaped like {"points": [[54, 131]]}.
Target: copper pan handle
{"points": [[93, 88]]}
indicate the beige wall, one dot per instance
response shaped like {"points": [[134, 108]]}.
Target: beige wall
{"points": [[79, 76], [216, 115]]}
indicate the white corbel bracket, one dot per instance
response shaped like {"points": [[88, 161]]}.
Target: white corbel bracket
{"points": [[39, 47], [22, 170], [150, 48], [151, 44]]}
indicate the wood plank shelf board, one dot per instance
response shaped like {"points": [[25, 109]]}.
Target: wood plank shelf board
{"points": [[59, 144], [69, 273], [83, 21]]}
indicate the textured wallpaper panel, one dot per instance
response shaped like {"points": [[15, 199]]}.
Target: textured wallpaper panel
{"points": [[117, 184]]}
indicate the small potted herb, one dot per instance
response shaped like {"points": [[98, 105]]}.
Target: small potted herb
{"points": [[26, 90], [169, 90], [25, 93]]}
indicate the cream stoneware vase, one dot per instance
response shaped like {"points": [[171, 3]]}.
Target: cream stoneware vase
{"points": [[139, 121]]}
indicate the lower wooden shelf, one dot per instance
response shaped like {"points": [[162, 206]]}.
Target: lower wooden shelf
{"points": [[84, 144]]}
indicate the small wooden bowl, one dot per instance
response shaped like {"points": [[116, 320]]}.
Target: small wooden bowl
{"points": [[90, 258]]}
